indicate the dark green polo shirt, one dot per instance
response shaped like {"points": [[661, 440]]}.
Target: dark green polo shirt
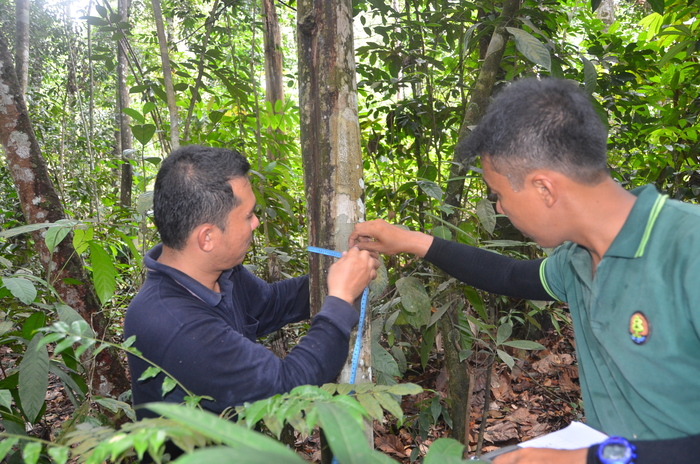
{"points": [[637, 322]]}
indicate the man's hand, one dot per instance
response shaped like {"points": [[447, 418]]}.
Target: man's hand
{"points": [[543, 456], [349, 276], [382, 237]]}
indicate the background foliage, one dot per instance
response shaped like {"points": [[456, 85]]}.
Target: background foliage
{"points": [[417, 62]]}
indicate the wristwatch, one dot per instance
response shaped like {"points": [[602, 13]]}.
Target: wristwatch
{"points": [[616, 450]]}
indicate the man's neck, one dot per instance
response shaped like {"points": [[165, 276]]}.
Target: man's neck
{"points": [[190, 265], [599, 214]]}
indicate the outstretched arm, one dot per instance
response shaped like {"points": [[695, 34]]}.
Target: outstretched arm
{"points": [[480, 268]]}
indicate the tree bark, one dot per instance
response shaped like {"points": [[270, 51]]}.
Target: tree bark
{"points": [[330, 143], [22, 44], [274, 88], [40, 204], [125, 142], [167, 76]]}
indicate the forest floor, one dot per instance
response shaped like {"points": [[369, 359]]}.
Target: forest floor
{"points": [[539, 395]]}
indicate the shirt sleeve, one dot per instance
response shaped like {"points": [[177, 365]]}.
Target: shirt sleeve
{"points": [[489, 271]]}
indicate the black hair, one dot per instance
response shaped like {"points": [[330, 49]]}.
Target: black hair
{"points": [[542, 124], [192, 188]]}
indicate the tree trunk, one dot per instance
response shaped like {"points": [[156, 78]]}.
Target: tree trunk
{"points": [[125, 143], [330, 142], [22, 45], [274, 73], [41, 204], [458, 370], [167, 76]]}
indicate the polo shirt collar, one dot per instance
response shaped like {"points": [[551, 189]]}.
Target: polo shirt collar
{"points": [[632, 239], [200, 291]]}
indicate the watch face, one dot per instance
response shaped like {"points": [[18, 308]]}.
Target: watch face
{"points": [[615, 452]]}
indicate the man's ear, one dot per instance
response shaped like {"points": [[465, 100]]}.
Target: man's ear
{"points": [[205, 235], [546, 188]]}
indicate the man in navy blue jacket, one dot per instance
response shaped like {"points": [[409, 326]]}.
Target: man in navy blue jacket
{"points": [[200, 311]]}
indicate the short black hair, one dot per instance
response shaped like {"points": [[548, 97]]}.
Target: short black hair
{"points": [[542, 124], [192, 188]]}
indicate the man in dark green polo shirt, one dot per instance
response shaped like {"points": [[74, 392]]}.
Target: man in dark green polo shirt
{"points": [[627, 263]]}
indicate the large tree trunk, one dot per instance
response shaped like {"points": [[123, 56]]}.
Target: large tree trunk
{"points": [[274, 73], [167, 76], [124, 141], [458, 370], [40, 204], [22, 47], [330, 142]]}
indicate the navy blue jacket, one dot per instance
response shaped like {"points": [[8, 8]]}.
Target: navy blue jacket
{"points": [[207, 339]]}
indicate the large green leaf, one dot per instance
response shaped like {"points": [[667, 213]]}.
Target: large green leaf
{"points": [[415, 301], [143, 132], [383, 361], [658, 6], [346, 439], [70, 315], [244, 456], [54, 236], [34, 378], [23, 229], [531, 48], [104, 274], [431, 189], [21, 288], [524, 345], [504, 331], [486, 215], [444, 448], [221, 430], [6, 399]]}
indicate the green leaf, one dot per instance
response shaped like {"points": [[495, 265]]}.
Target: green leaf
{"points": [[31, 452], [504, 331], [595, 4], [5, 326], [438, 314], [442, 232], [23, 229], [55, 235], [6, 445], [33, 378], [658, 6], [590, 76], [34, 322], [224, 454], [371, 405], [524, 345], [104, 274], [152, 371], [506, 358], [224, 431], [21, 288], [143, 132], [476, 301], [430, 188], [531, 48], [444, 448], [346, 439], [168, 385], [69, 316], [405, 389], [6, 400], [486, 215], [134, 114], [59, 454], [383, 361], [415, 301]]}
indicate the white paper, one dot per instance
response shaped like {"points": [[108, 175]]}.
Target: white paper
{"points": [[576, 435]]}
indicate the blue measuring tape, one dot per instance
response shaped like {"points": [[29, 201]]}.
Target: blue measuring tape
{"points": [[363, 311]]}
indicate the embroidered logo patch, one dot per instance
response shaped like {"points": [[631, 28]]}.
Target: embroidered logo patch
{"points": [[639, 328]]}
